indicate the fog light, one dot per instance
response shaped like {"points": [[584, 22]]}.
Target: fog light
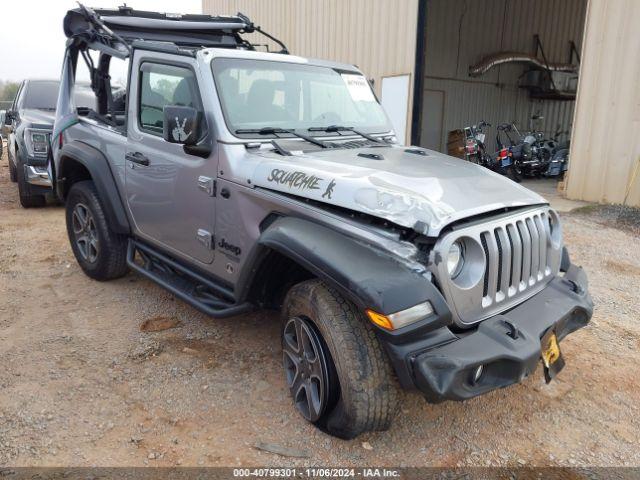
{"points": [[478, 373]]}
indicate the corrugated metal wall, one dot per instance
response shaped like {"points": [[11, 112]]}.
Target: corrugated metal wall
{"points": [[379, 36], [605, 147], [459, 33]]}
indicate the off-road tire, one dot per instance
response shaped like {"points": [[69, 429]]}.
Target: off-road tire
{"points": [[111, 258], [364, 388], [13, 175], [27, 200]]}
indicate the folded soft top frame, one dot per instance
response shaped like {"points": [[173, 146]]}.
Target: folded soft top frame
{"points": [[114, 31]]}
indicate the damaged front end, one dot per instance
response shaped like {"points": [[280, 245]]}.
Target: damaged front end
{"points": [[506, 348], [513, 299]]}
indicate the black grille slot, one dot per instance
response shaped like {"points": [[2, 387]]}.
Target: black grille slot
{"points": [[485, 288], [524, 252], [495, 232], [512, 253]]}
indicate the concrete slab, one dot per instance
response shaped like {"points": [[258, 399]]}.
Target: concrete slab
{"points": [[548, 188]]}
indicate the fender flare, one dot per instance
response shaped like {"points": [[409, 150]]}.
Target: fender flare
{"points": [[367, 276], [98, 167]]}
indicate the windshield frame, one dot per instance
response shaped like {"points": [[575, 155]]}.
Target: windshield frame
{"points": [[385, 129]]}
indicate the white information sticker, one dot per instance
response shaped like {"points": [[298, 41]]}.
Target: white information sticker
{"points": [[358, 88]]}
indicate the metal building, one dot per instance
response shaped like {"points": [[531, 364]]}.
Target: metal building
{"points": [[459, 33], [605, 145], [417, 53]]}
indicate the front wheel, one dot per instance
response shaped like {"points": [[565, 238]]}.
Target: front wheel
{"points": [[13, 174], [101, 253], [338, 375]]}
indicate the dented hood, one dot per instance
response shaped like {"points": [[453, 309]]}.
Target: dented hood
{"points": [[422, 192]]}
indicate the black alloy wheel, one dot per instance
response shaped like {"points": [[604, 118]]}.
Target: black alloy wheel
{"points": [[306, 368], [85, 233]]}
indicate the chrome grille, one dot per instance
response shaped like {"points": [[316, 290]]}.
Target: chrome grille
{"points": [[507, 259], [518, 254]]}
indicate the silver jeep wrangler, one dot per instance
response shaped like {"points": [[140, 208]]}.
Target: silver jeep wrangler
{"points": [[239, 179]]}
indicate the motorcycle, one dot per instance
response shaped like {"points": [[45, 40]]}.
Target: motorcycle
{"points": [[559, 154], [476, 152], [474, 147], [528, 158]]}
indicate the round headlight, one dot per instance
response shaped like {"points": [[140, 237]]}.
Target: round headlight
{"points": [[455, 259]]}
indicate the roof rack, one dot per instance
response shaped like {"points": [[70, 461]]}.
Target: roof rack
{"points": [[115, 31]]}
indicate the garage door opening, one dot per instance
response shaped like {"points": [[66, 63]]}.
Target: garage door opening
{"points": [[512, 64]]}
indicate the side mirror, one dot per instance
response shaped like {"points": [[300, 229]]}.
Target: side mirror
{"points": [[181, 124], [8, 117]]}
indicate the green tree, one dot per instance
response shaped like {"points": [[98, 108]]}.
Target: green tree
{"points": [[8, 91], [166, 87]]}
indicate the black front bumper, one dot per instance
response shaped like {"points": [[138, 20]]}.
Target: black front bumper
{"points": [[507, 346]]}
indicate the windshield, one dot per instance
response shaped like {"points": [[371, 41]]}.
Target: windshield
{"points": [[259, 93], [41, 95]]}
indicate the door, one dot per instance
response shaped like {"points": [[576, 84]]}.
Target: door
{"points": [[169, 193], [395, 100]]}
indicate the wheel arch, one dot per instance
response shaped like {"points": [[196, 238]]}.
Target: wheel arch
{"points": [[78, 162], [358, 271], [271, 276]]}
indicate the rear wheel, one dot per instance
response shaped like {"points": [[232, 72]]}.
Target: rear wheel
{"points": [[27, 200], [513, 173], [337, 372], [101, 253]]}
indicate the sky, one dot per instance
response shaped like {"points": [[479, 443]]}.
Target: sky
{"points": [[31, 36]]}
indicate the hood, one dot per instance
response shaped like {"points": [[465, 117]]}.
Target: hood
{"points": [[38, 118], [422, 192]]}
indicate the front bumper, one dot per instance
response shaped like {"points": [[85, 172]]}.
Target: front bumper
{"points": [[507, 346], [37, 175]]}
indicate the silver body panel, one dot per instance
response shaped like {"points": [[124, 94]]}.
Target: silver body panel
{"points": [[163, 198]]}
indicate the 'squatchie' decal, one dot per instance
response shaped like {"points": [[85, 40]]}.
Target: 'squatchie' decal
{"points": [[299, 180]]}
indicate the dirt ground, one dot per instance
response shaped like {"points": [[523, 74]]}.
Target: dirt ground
{"points": [[85, 380]]}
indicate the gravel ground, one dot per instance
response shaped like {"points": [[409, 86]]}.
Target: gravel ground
{"points": [[121, 373]]}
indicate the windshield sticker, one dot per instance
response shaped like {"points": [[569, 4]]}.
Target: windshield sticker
{"points": [[299, 180], [358, 87]]}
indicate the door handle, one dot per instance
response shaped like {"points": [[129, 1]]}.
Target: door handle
{"points": [[137, 157]]}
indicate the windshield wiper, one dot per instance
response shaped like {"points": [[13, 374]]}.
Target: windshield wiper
{"points": [[340, 128], [276, 130]]}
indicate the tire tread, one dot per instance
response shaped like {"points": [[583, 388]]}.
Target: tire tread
{"points": [[113, 263], [369, 391]]}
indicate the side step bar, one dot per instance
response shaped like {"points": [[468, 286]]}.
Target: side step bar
{"points": [[193, 288]]}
